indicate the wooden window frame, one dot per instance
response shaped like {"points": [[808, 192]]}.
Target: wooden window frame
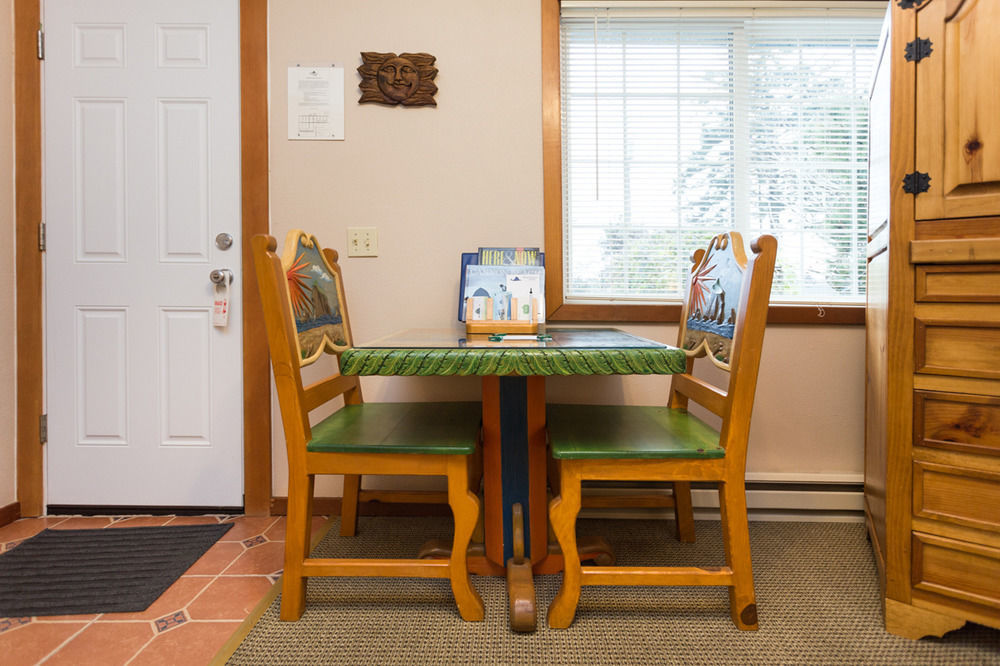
{"points": [[556, 309]]}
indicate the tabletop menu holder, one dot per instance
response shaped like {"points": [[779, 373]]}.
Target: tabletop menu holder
{"points": [[490, 325], [501, 290]]}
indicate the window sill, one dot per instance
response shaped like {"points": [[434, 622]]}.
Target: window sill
{"points": [[839, 315]]}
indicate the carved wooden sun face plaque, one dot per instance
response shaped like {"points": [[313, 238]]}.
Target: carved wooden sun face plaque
{"points": [[390, 79]]}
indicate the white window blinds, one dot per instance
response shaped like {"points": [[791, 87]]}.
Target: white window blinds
{"points": [[676, 127]]}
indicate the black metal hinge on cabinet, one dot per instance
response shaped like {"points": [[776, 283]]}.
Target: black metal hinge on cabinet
{"points": [[909, 4], [916, 182], [918, 49]]}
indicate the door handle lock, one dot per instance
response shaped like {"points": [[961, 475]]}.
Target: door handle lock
{"points": [[222, 276]]}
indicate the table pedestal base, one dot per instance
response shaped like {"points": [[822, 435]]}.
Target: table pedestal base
{"points": [[520, 571], [520, 584]]}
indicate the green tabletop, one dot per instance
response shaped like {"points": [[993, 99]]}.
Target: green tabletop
{"points": [[576, 351]]}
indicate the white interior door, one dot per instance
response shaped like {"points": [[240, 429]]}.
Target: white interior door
{"points": [[141, 173]]}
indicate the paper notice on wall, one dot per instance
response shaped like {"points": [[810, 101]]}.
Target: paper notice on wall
{"points": [[316, 103]]}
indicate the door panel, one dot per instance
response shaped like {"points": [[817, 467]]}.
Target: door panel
{"points": [[102, 377], [99, 204], [141, 153], [185, 376]]}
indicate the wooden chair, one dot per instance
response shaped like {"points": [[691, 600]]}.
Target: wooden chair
{"points": [[306, 316], [723, 318]]}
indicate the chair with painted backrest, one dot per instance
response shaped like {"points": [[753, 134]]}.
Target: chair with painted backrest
{"points": [[723, 318], [306, 316]]}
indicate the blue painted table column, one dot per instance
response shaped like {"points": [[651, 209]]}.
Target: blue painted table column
{"points": [[514, 444]]}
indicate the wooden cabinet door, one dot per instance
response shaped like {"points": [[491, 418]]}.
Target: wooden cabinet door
{"points": [[957, 109]]}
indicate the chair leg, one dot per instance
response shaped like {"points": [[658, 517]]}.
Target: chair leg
{"points": [[552, 476], [476, 486], [736, 538], [552, 473], [683, 512], [465, 508], [297, 535], [349, 505], [562, 515]]}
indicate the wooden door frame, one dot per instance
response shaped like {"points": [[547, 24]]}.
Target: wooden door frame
{"points": [[29, 292]]}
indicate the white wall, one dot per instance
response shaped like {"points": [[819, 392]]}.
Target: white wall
{"points": [[7, 460], [440, 181]]}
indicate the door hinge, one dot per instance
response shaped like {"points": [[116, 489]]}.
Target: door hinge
{"points": [[43, 429], [918, 49], [41, 237], [909, 4], [40, 42], [916, 182]]}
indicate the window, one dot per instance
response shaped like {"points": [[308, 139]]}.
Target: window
{"points": [[677, 123]]}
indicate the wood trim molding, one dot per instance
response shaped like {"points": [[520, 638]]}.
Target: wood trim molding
{"points": [[816, 314], [9, 513], [28, 259], [254, 157], [28, 289], [898, 421], [552, 161], [556, 309], [776, 313]]}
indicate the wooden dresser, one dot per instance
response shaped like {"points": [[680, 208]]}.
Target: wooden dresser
{"points": [[932, 453]]}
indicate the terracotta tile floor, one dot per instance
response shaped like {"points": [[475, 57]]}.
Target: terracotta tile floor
{"points": [[188, 624]]}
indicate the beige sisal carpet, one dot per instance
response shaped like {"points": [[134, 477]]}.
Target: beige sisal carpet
{"points": [[817, 595]]}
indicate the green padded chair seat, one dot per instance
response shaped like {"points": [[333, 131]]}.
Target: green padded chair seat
{"points": [[627, 431], [442, 428]]}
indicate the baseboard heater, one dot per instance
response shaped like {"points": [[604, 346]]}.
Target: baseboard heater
{"points": [[766, 500], [818, 498]]}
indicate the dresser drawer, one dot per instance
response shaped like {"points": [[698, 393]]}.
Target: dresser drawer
{"points": [[957, 339], [963, 283], [958, 422], [955, 494], [956, 569]]}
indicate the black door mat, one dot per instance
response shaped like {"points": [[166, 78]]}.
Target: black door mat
{"points": [[110, 570]]}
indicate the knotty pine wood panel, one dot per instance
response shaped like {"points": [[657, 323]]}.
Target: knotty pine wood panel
{"points": [[960, 339], [956, 569], [968, 423], [956, 95], [955, 494], [978, 283]]}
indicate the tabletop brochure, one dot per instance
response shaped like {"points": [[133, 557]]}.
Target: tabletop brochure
{"points": [[508, 256], [497, 278]]}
